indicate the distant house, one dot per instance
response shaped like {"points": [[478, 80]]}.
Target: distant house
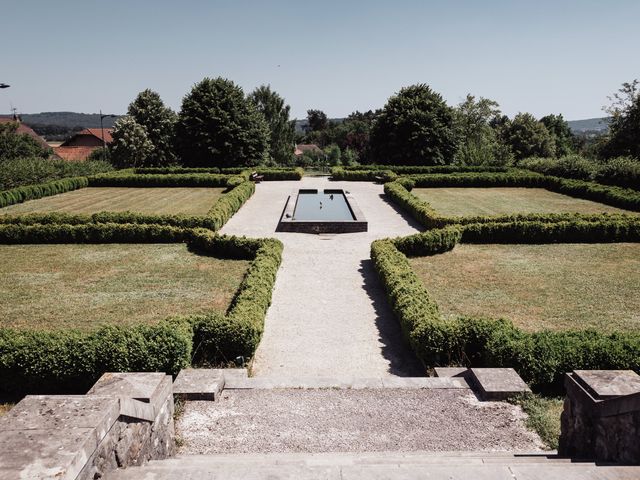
{"points": [[80, 145], [24, 129], [307, 148]]}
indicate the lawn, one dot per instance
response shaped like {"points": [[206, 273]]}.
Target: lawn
{"points": [[82, 286], [554, 286], [464, 202], [188, 201], [543, 416]]}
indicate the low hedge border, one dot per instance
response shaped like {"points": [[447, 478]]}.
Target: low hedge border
{"points": [[32, 192], [418, 169], [162, 180], [541, 358], [400, 192], [379, 175], [269, 173], [71, 360]]}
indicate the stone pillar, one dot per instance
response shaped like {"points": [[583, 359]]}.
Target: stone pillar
{"points": [[601, 417]]}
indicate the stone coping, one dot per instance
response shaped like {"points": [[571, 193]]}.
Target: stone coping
{"points": [[577, 388], [344, 383]]}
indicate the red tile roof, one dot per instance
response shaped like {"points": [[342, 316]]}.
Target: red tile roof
{"points": [[97, 132], [300, 149], [74, 154], [26, 130]]}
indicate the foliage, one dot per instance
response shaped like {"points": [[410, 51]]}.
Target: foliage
{"points": [[624, 127], [479, 143], [540, 358], [333, 155], [158, 121], [421, 169], [338, 173], [559, 129], [28, 171], [621, 171], [543, 416], [282, 130], [31, 192], [120, 179], [131, 146], [415, 127], [218, 127], [18, 145], [317, 120], [527, 137]]}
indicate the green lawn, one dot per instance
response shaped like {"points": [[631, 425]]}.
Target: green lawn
{"points": [[543, 417], [554, 286], [466, 202], [82, 286], [188, 201]]}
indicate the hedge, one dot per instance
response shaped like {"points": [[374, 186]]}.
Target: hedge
{"points": [[268, 173], [32, 192], [339, 173], [173, 170], [160, 180], [70, 360], [417, 169], [541, 358]]}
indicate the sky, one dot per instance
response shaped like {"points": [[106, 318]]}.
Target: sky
{"points": [[543, 56]]}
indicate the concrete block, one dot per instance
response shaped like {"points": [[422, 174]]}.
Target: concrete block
{"points": [[451, 371], [424, 382], [604, 384], [198, 384], [497, 383]]}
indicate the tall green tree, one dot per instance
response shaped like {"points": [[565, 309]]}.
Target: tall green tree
{"points": [[563, 137], [527, 137], [624, 126], [159, 121], [18, 145], [317, 120], [415, 127], [478, 141], [131, 146], [218, 127], [282, 130]]}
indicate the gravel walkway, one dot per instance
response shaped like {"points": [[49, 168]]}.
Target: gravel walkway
{"points": [[329, 315], [374, 420]]}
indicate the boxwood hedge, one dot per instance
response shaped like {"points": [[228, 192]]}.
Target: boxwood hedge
{"points": [[70, 360], [541, 358], [32, 192]]}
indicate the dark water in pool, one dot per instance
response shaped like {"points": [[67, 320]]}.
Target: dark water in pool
{"points": [[324, 206]]}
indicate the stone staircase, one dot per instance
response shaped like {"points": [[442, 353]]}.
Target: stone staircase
{"points": [[374, 466]]}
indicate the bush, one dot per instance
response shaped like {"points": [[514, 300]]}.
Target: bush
{"points": [[29, 171], [621, 171], [173, 170], [159, 180], [541, 358], [31, 192], [338, 173], [570, 166]]}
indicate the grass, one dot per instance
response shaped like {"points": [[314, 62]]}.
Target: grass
{"points": [[5, 407], [465, 202], [188, 201], [553, 286], [543, 416], [82, 286]]}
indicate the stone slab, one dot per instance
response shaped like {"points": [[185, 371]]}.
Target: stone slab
{"points": [[451, 371], [604, 384], [198, 384], [497, 383], [45, 454], [344, 383], [424, 383]]}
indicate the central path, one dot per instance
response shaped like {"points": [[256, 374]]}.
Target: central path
{"points": [[329, 316]]}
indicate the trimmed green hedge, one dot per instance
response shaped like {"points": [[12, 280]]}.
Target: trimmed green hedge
{"points": [[418, 169], [173, 170], [541, 358], [32, 192], [339, 173], [160, 180], [269, 173], [71, 361]]}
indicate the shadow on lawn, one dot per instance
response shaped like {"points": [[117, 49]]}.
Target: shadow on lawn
{"points": [[402, 361]]}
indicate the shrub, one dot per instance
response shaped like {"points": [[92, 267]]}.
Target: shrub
{"points": [[621, 171], [31, 192], [29, 171], [570, 166], [338, 173], [159, 180]]}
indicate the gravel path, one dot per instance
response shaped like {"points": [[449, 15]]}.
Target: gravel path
{"points": [[329, 315], [276, 421]]}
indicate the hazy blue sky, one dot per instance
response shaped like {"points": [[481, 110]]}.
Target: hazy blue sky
{"points": [[542, 56]]}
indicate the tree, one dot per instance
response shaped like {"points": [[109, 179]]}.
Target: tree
{"points": [[563, 137], [479, 143], [18, 145], [624, 126], [527, 137], [218, 127], [282, 130], [159, 122], [317, 120], [131, 146], [415, 127]]}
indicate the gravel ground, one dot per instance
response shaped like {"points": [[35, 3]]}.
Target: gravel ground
{"points": [[329, 315], [311, 421]]}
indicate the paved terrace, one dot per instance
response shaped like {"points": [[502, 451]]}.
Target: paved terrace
{"points": [[329, 316]]}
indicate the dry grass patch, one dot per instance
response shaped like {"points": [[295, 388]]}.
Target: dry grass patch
{"points": [[170, 201], [5, 407], [553, 286], [466, 202], [83, 286]]}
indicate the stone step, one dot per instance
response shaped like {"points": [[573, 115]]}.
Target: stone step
{"points": [[356, 383], [379, 465]]}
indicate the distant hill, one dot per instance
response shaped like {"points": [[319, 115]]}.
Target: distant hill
{"points": [[58, 126], [589, 125]]}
